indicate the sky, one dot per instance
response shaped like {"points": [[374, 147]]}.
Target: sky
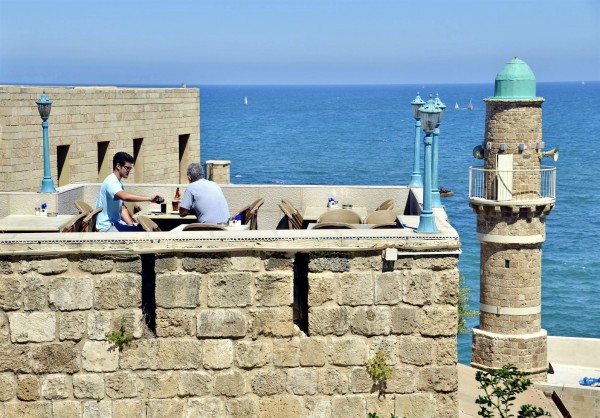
{"points": [[204, 42]]}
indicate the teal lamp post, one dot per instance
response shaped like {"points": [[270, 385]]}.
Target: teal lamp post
{"points": [[430, 119], [44, 105], [415, 178], [436, 201]]}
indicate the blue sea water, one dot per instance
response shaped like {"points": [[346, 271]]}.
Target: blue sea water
{"points": [[364, 135]]}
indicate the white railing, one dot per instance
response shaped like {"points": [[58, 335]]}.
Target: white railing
{"points": [[512, 185]]}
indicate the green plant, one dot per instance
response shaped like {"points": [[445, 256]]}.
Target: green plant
{"points": [[500, 387], [374, 415], [379, 371], [119, 338], [464, 296]]}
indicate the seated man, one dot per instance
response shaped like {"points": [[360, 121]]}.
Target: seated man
{"points": [[115, 216], [204, 197]]}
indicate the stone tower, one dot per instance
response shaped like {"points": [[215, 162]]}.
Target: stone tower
{"points": [[512, 194]]}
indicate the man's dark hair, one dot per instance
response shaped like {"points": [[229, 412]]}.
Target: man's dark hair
{"points": [[121, 158], [195, 172]]}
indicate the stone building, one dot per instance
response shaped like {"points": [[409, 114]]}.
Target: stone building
{"points": [[512, 195]]}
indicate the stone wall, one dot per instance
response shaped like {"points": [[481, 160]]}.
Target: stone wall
{"points": [[84, 117], [268, 328]]}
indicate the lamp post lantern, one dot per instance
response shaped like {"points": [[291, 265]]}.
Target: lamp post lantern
{"points": [[44, 105], [415, 178], [436, 202], [430, 119]]}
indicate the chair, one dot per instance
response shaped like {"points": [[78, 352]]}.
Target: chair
{"points": [[132, 207], [386, 205], [148, 224], [333, 225], [292, 223], [244, 213], [89, 222], [381, 217], [75, 224], [295, 212], [82, 206], [347, 216], [203, 227], [253, 213]]}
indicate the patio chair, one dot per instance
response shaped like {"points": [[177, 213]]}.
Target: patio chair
{"points": [[347, 216], [292, 223], [295, 212], [381, 217], [333, 225], [89, 222], [244, 213], [204, 227], [75, 224], [253, 213], [386, 205], [148, 224], [83, 206]]}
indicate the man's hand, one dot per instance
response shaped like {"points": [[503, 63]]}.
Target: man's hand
{"points": [[157, 198]]}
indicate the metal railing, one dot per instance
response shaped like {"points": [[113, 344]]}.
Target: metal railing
{"points": [[512, 185]]}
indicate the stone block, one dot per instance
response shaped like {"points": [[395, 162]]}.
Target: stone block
{"points": [[349, 351], [355, 288], [132, 319], [351, 406], [120, 385], [28, 387], [177, 290], [332, 381], [246, 263], [55, 358], [328, 320], [71, 325], [445, 289], [66, 409], [272, 322], [140, 355], [404, 319], [438, 321], [313, 351], [165, 263], [317, 406], [366, 261], [228, 290], [369, 321], [52, 266], [416, 350], [96, 264], [10, 293], [160, 385], [336, 262], [382, 406], [419, 405], [277, 261], [274, 289], [129, 264], [95, 409], [35, 293], [207, 407], [175, 323], [99, 323], [99, 356], [253, 354], [286, 353], [447, 403], [403, 379], [8, 386], [194, 383], [174, 354], [120, 291], [302, 381], [221, 323], [229, 384], [28, 409], [218, 354], [446, 351], [321, 288], [360, 381], [34, 327], [88, 386], [126, 408], [4, 327], [243, 407], [438, 378], [417, 286], [15, 358], [70, 294], [205, 263], [268, 382], [272, 406], [6, 265], [388, 288], [56, 386]]}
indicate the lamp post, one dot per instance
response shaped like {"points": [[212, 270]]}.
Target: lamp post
{"points": [[430, 118], [436, 202], [44, 105], [415, 178]]}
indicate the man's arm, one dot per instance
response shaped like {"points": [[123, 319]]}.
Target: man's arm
{"points": [[126, 216], [183, 212], [130, 197]]}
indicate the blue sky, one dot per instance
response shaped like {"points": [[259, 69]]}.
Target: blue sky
{"points": [[294, 42]]}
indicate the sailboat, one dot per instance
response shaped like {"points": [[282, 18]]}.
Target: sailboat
{"points": [[456, 106], [470, 105], [246, 100]]}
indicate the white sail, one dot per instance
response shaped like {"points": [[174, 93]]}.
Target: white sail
{"points": [[456, 106], [246, 100]]}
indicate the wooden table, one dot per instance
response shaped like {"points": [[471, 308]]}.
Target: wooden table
{"points": [[356, 226], [312, 213], [169, 220], [33, 223], [227, 228]]}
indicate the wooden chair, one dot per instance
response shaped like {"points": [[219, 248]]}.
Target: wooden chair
{"points": [[333, 225], [292, 223], [75, 224], [347, 216], [204, 227], [244, 213], [295, 212], [89, 222], [253, 213], [381, 217], [386, 205], [83, 206], [148, 224]]}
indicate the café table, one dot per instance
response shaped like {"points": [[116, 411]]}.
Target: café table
{"points": [[312, 213], [168, 220], [33, 223], [227, 228], [312, 225]]}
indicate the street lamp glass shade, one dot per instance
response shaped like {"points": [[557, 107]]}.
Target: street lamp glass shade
{"points": [[440, 105], [44, 105], [416, 104], [430, 116]]}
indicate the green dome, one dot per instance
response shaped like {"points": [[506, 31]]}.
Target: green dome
{"points": [[515, 81]]}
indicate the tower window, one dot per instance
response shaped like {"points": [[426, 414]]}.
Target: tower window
{"points": [[506, 263]]}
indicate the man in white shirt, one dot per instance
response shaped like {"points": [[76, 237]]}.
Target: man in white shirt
{"points": [[114, 216], [204, 197]]}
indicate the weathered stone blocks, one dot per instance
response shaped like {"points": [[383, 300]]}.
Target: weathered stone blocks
{"points": [[97, 265], [175, 323], [349, 351], [33, 327], [371, 321], [351, 406], [221, 323], [218, 354], [97, 356], [88, 386], [274, 289], [269, 382], [177, 290], [253, 354], [321, 288], [56, 386], [229, 384], [320, 262], [328, 320], [302, 381], [10, 293], [313, 351], [28, 387], [228, 290], [273, 322], [121, 291], [71, 325], [120, 385], [55, 358], [195, 383], [355, 289], [205, 263], [388, 288], [179, 353], [70, 293]]}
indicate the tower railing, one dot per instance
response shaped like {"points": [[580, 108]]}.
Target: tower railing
{"points": [[512, 185]]}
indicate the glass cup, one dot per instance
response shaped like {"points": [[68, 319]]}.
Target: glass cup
{"points": [[175, 204], [163, 207]]}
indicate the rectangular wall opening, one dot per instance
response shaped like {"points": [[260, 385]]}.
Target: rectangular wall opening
{"points": [[104, 161], [138, 160], [300, 305], [63, 165], [184, 157], [149, 291]]}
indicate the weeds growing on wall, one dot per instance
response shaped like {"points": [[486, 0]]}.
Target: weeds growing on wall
{"points": [[379, 371], [464, 296], [119, 338]]}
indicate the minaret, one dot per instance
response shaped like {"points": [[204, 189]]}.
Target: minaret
{"points": [[512, 194]]}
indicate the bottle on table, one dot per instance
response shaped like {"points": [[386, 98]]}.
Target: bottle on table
{"points": [[176, 200]]}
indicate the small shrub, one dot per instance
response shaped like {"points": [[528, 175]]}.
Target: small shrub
{"points": [[119, 338], [379, 371], [464, 296]]}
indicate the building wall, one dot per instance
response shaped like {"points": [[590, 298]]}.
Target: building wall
{"points": [[83, 117], [269, 328]]}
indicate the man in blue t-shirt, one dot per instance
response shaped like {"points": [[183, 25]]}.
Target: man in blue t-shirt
{"points": [[204, 197], [115, 216]]}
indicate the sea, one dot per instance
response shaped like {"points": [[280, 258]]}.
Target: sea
{"points": [[364, 135]]}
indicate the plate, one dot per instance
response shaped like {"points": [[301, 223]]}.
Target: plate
{"points": [[155, 211], [174, 212]]}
